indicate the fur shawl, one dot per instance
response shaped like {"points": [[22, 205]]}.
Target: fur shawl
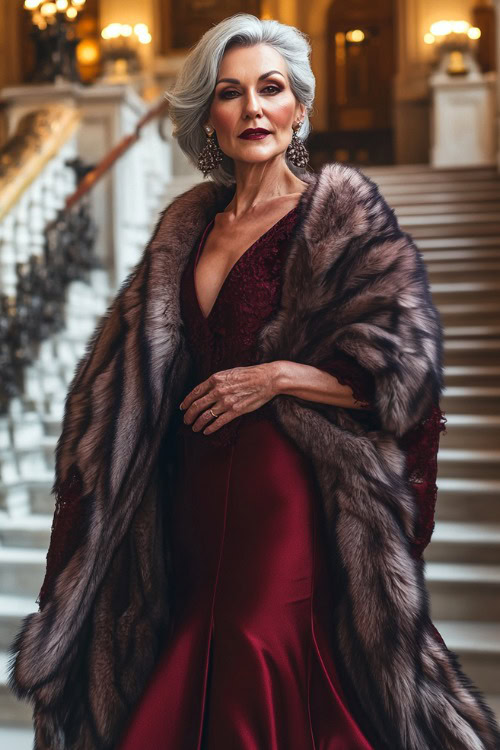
{"points": [[353, 280]]}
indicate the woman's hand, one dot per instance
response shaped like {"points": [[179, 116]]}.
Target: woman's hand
{"points": [[229, 393]]}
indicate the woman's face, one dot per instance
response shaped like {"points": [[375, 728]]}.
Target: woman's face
{"points": [[252, 91]]}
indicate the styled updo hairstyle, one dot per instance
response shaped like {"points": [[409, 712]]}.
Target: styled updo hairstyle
{"points": [[191, 97]]}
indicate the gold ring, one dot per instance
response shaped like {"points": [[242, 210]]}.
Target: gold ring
{"points": [[213, 415]]}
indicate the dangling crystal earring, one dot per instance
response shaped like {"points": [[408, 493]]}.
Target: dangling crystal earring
{"points": [[210, 155], [296, 151]]}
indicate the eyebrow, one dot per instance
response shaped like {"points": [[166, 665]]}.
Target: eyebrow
{"points": [[260, 78]]}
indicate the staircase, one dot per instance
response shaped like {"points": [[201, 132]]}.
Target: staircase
{"points": [[28, 437], [454, 217]]}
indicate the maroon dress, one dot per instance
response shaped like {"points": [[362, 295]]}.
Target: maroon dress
{"points": [[248, 664]]}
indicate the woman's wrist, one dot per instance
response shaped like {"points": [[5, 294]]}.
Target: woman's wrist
{"points": [[311, 383]]}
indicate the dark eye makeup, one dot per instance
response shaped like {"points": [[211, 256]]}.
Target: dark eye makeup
{"points": [[223, 95]]}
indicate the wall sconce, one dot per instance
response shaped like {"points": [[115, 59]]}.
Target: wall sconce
{"points": [[120, 44], [457, 40]]}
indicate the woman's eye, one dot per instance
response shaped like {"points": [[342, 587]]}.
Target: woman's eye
{"points": [[226, 94]]}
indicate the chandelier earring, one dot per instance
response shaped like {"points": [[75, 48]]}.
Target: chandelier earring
{"points": [[211, 155], [296, 151]]}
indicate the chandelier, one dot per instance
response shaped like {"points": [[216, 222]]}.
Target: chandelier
{"points": [[55, 39]]}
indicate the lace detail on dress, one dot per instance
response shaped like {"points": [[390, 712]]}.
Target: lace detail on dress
{"points": [[349, 372], [68, 529], [421, 445], [249, 296]]}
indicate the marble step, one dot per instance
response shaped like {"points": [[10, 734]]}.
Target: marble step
{"points": [[470, 313], [459, 244], [475, 225], [424, 179], [442, 196], [468, 500], [30, 531], [13, 712], [30, 495], [472, 270], [16, 738], [434, 207], [466, 292], [451, 220], [13, 609], [22, 571], [469, 375], [491, 330], [471, 352], [479, 430], [468, 463], [457, 541], [477, 645], [464, 591], [435, 256], [474, 399]]}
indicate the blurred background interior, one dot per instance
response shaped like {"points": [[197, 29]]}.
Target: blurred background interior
{"points": [[406, 89]]}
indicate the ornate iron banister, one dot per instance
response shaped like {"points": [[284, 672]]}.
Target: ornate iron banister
{"points": [[37, 308]]}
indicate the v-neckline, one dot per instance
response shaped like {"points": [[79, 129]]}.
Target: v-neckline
{"points": [[200, 247]]}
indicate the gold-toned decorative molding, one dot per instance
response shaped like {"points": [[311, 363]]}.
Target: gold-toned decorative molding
{"points": [[38, 137]]}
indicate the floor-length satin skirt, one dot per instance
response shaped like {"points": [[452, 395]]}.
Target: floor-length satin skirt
{"points": [[248, 665]]}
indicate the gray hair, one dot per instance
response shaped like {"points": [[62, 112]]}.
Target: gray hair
{"points": [[192, 94]]}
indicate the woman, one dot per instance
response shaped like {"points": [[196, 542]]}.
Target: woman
{"points": [[246, 571]]}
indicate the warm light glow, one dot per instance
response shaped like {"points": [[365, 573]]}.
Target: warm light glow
{"points": [[111, 31], [71, 13], [460, 27], [355, 36], [441, 28], [31, 4], [78, 2], [145, 38], [126, 29], [61, 4], [140, 28], [87, 52], [48, 9], [429, 38], [40, 21]]}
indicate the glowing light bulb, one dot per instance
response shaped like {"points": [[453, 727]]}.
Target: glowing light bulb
{"points": [[61, 4], [48, 9], [31, 4], [441, 28], [71, 13], [460, 27], [126, 29], [429, 38], [140, 28], [355, 36], [474, 32], [145, 38]]}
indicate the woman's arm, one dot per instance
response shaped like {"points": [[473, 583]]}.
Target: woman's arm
{"points": [[340, 383]]}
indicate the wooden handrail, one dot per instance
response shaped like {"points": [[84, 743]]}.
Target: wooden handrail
{"points": [[112, 156]]}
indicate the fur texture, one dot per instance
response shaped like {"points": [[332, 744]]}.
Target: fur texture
{"points": [[352, 280]]}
